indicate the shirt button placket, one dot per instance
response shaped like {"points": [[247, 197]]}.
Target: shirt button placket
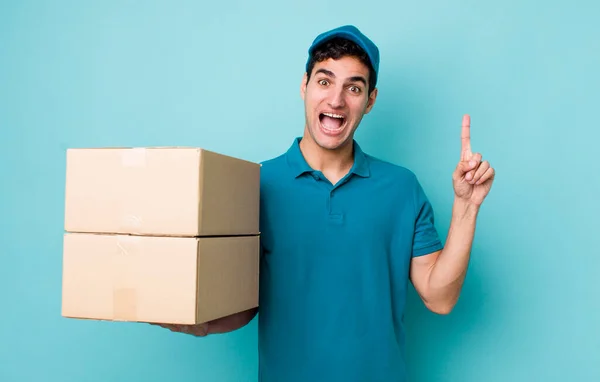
{"points": [[335, 214]]}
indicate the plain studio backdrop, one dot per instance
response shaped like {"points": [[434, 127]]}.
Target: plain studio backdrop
{"points": [[226, 76]]}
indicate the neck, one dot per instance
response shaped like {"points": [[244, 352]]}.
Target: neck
{"points": [[334, 164]]}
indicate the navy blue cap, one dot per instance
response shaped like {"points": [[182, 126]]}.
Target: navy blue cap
{"points": [[351, 33]]}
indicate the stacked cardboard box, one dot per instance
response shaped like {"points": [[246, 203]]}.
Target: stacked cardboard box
{"points": [[164, 235]]}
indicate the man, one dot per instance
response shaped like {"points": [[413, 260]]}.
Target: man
{"points": [[343, 232]]}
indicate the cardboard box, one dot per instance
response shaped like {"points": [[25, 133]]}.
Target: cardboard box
{"points": [[158, 279], [161, 191]]}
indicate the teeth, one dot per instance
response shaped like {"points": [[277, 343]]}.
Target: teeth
{"points": [[333, 115]]}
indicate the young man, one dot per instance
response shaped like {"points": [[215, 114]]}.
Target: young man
{"points": [[344, 232]]}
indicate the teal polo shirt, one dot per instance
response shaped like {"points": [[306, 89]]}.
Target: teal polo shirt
{"points": [[334, 268]]}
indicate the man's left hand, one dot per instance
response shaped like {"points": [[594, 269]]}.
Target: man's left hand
{"points": [[473, 177]]}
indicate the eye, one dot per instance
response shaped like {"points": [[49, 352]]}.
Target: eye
{"points": [[323, 82], [354, 89]]}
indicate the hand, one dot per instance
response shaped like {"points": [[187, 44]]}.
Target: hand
{"points": [[220, 325], [199, 330], [473, 177]]}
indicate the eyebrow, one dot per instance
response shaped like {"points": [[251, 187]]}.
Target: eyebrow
{"points": [[352, 79], [359, 79]]}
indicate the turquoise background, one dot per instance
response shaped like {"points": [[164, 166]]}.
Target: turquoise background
{"points": [[226, 76]]}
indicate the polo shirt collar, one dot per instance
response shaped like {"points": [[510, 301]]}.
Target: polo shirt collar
{"points": [[299, 165]]}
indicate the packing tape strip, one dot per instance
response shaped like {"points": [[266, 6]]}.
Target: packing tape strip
{"points": [[124, 288], [133, 157], [124, 304]]}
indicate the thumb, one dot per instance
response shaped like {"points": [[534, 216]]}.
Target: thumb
{"points": [[463, 168], [466, 166]]}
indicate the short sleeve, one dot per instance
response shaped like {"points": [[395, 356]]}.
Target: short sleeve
{"points": [[426, 238]]}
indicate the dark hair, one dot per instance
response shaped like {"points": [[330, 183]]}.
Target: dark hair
{"points": [[337, 48]]}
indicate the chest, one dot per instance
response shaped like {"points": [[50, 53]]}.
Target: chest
{"points": [[311, 216]]}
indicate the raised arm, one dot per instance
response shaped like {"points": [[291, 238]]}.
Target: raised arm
{"points": [[438, 277]]}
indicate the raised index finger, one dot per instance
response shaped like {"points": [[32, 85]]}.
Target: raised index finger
{"points": [[466, 138]]}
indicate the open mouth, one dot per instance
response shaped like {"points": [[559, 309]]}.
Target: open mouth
{"points": [[331, 122]]}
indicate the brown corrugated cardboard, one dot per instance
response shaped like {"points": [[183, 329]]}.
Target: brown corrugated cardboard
{"points": [[158, 279], [161, 191]]}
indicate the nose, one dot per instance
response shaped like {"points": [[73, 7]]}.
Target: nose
{"points": [[337, 99]]}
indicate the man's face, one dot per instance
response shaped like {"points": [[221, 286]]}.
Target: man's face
{"points": [[335, 100]]}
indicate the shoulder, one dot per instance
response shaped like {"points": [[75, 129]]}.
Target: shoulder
{"points": [[273, 169], [385, 170], [273, 165], [401, 181]]}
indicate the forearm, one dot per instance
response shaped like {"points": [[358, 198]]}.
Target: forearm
{"points": [[449, 270], [232, 322]]}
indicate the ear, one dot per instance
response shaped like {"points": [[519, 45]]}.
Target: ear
{"points": [[303, 86], [371, 101]]}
